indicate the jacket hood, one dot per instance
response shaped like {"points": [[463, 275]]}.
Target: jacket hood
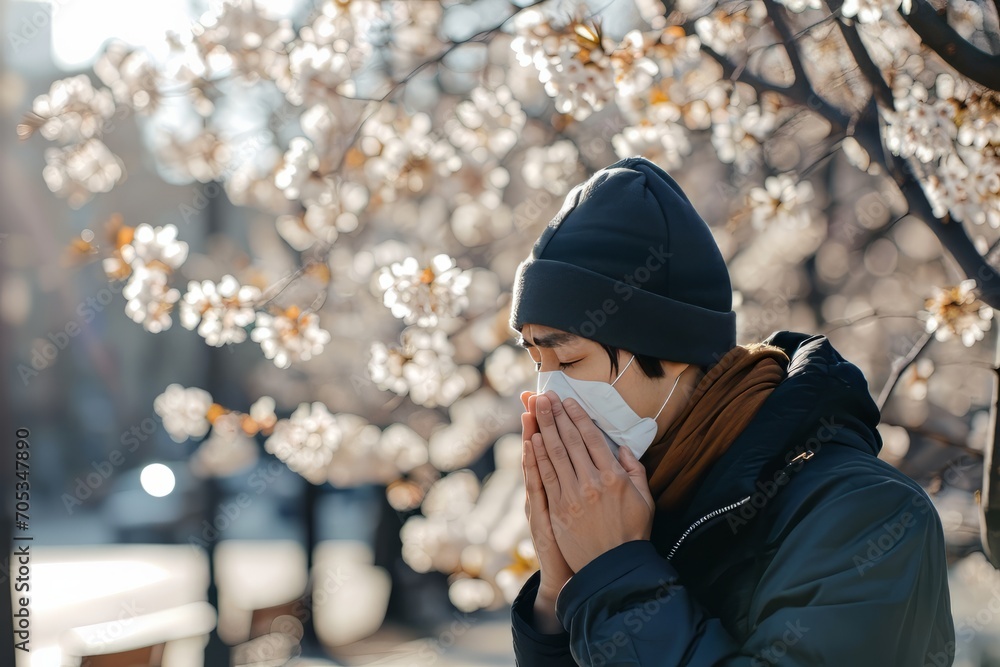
{"points": [[823, 398]]}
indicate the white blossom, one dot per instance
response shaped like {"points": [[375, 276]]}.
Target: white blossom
{"points": [[953, 137], [966, 17], [227, 450], [150, 299], [918, 127], [799, 6], [358, 460], [475, 222], [431, 544], [435, 541], [422, 367], [131, 75], [205, 157], [739, 130], [869, 11], [315, 70], [509, 370], [966, 185], [330, 126], [782, 201], [728, 31], [239, 36], [452, 496], [332, 205], [956, 311], [403, 447], [653, 12], [299, 165], [79, 171], [470, 594], [73, 110], [422, 295], [262, 412], [156, 246], [648, 63], [476, 421], [488, 123], [665, 144], [184, 411], [402, 156], [306, 441], [572, 62], [220, 311], [290, 335], [554, 167], [917, 377]]}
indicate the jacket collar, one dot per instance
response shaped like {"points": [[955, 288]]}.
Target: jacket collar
{"points": [[823, 398]]}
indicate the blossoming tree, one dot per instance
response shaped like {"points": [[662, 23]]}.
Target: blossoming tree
{"points": [[408, 153]]}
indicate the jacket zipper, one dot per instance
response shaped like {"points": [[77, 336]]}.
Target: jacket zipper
{"points": [[702, 520], [804, 456]]}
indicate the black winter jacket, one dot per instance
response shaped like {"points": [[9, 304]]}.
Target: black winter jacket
{"points": [[799, 547]]}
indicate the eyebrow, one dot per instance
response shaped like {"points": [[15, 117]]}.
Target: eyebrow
{"points": [[548, 340]]}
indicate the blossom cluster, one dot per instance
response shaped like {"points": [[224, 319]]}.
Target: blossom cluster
{"points": [[322, 446], [953, 135]]}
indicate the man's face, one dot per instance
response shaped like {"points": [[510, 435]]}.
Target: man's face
{"points": [[584, 359]]}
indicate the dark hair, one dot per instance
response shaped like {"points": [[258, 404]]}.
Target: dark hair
{"points": [[650, 365]]}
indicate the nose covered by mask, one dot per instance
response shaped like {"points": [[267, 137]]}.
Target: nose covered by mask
{"points": [[619, 423]]}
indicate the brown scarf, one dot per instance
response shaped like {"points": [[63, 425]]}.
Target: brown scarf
{"points": [[721, 406]]}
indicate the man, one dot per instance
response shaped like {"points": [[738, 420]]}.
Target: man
{"points": [[693, 501]]}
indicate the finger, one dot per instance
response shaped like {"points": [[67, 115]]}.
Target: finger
{"points": [[532, 482], [551, 483], [637, 473], [537, 502], [534, 496], [524, 398], [555, 448], [525, 448], [573, 437], [594, 441], [529, 425], [536, 508]]}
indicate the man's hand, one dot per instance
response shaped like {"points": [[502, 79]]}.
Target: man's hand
{"points": [[554, 569], [594, 503]]}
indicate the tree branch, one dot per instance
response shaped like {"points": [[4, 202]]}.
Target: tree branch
{"points": [[993, 248], [798, 92], [949, 232], [989, 505], [967, 60], [480, 36], [788, 41], [866, 130], [880, 89], [833, 325], [900, 366]]}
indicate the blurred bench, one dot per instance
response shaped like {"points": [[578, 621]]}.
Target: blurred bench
{"points": [[174, 636]]}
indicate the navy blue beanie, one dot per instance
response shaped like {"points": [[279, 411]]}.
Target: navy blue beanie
{"points": [[627, 261]]}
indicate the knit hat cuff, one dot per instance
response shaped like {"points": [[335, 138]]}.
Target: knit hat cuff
{"points": [[606, 310]]}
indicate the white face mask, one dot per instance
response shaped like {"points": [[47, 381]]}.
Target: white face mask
{"points": [[621, 426]]}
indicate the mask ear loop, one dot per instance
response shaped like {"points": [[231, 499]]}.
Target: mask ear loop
{"points": [[623, 370], [671, 392]]}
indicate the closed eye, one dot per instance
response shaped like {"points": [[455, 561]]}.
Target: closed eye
{"points": [[538, 365]]}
